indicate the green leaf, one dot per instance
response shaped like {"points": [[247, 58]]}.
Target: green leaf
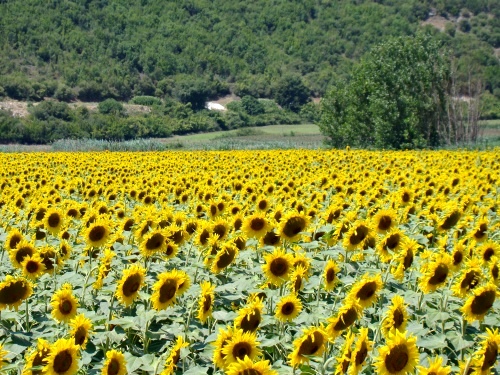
{"points": [[432, 342]]}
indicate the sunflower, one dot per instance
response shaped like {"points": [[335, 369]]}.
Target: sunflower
{"points": [[486, 357], [396, 317], [435, 273], [399, 356], [221, 227], [468, 279], [488, 250], [366, 289], [344, 358], [248, 367], [97, 234], [203, 234], [185, 282], [153, 242], [288, 308], [50, 258], [392, 243], [435, 367], [224, 257], [478, 305], [206, 301], [330, 275], [249, 317], [13, 291], [292, 225], [404, 259], [64, 304], [21, 251], [480, 231], [104, 268], [13, 238], [3, 353], [278, 266], [458, 255], [174, 356], [81, 328], [176, 234], [33, 266], [128, 287], [310, 343], [270, 239], [494, 270], [256, 225], [240, 345], [297, 277], [356, 235], [223, 338], [115, 363], [53, 220], [384, 220], [63, 358], [450, 218], [360, 352], [37, 357], [64, 250], [346, 316], [165, 289]]}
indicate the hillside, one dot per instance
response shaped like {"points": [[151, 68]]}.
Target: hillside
{"points": [[93, 50]]}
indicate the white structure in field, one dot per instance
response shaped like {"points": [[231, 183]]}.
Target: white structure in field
{"points": [[214, 106]]}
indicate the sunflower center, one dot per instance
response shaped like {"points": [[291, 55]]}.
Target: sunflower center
{"points": [[62, 362], [22, 253], [480, 233], [257, 224], [406, 197], [113, 367], [251, 321], [490, 355], [330, 275], [14, 241], [451, 220], [294, 226], [155, 241], [439, 275], [204, 237], [13, 292], [170, 250], [393, 241], [249, 371], [271, 238], [238, 223], [40, 214], [97, 233], [311, 344], [408, 260], [494, 272], [470, 280], [367, 291], [458, 256], [346, 319], [131, 285], [54, 220], [483, 302], [397, 359], [32, 266], [241, 349], [288, 308], [168, 290], [361, 354], [80, 336], [279, 267], [384, 223], [359, 235], [220, 229], [398, 317], [65, 307], [488, 253], [47, 259], [127, 226], [207, 303], [225, 259]]}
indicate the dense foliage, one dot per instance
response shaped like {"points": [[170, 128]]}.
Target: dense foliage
{"points": [[395, 98], [191, 50]]}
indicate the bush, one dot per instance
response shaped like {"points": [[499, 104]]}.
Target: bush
{"points": [[251, 105], [64, 93], [111, 106], [146, 100], [51, 109], [291, 93]]}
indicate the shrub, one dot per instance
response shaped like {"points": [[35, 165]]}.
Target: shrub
{"points": [[146, 100], [110, 106]]}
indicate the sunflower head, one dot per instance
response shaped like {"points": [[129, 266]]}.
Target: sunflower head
{"points": [[33, 267], [288, 308], [479, 304], [64, 304], [205, 301], [256, 225], [53, 220], [98, 233], [81, 328], [37, 357], [396, 317], [292, 225], [278, 266], [310, 343], [240, 345], [399, 356], [63, 358], [224, 257], [346, 316], [366, 289], [115, 363], [21, 251], [246, 366], [129, 285], [13, 239], [13, 291], [330, 274], [250, 316]]}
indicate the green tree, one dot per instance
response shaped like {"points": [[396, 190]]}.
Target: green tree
{"points": [[395, 97], [291, 93], [111, 106]]}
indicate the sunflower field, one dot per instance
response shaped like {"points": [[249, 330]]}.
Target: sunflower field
{"points": [[250, 263]]}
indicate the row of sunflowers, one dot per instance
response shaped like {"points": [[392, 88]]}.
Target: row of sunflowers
{"points": [[250, 263]]}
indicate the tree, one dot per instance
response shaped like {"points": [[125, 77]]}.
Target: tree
{"points": [[395, 98], [291, 93]]}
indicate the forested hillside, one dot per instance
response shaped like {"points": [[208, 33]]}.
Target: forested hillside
{"points": [[93, 50]]}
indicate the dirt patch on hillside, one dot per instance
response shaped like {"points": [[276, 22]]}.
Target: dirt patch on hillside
{"points": [[437, 21], [20, 109]]}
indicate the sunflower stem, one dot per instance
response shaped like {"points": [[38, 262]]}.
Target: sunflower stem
{"points": [[27, 316], [85, 284], [464, 330]]}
